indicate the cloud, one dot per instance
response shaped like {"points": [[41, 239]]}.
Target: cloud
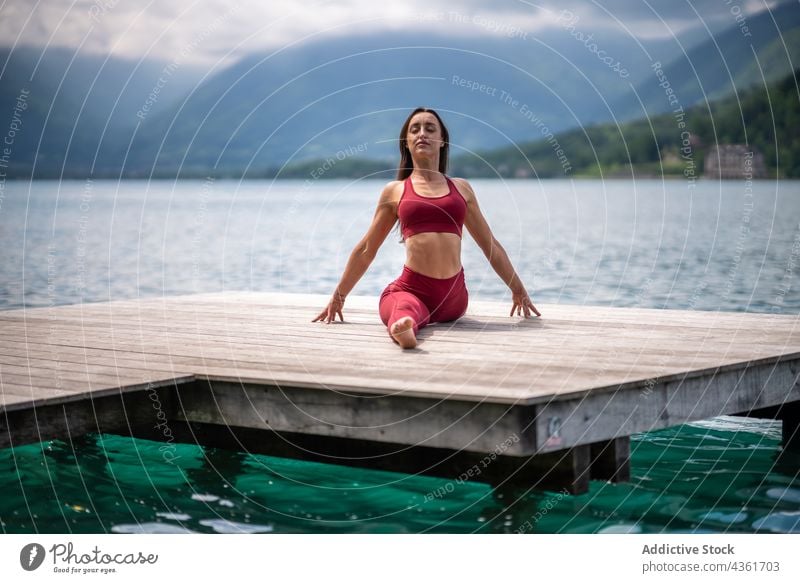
{"points": [[207, 32]]}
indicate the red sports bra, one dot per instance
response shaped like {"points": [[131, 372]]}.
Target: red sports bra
{"points": [[424, 214]]}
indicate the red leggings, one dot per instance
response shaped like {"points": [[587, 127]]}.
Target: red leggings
{"points": [[425, 299]]}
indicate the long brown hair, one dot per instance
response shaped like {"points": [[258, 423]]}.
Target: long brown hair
{"points": [[406, 163]]}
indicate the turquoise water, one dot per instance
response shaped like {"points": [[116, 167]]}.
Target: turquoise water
{"points": [[719, 246], [717, 476]]}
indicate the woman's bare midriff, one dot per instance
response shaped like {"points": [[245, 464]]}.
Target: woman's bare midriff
{"points": [[434, 254]]}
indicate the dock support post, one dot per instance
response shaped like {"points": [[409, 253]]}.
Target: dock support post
{"points": [[789, 414], [611, 460], [572, 471], [560, 470]]}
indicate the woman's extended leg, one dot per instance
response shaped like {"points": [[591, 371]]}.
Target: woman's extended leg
{"points": [[452, 299], [404, 314]]}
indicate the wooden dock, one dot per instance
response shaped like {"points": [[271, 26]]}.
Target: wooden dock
{"points": [[546, 402]]}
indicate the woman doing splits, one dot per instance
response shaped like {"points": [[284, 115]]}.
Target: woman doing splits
{"points": [[432, 209]]}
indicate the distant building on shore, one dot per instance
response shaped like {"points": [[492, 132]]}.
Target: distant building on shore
{"points": [[734, 161]]}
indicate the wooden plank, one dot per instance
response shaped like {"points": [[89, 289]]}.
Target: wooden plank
{"points": [[577, 317], [49, 383], [253, 367], [9, 401], [107, 365], [544, 326], [742, 324], [321, 358], [578, 314], [721, 343], [36, 394], [80, 394], [76, 378], [552, 383], [651, 348]]}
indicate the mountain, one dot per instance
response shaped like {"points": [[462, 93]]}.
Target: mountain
{"points": [[764, 117], [318, 100], [77, 105], [762, 48], [302, 102], [315, 100]]}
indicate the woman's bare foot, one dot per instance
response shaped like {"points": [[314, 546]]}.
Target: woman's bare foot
{"points": [[403, 332]]}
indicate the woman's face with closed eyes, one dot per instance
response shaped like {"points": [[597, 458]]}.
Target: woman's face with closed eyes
{"points": [[424, 136]]}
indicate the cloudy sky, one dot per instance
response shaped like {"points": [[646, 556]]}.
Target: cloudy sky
{"points": [[207, 32]]}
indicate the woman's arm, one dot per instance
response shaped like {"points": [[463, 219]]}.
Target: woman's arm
{"points": [[363, 254], [477, 226]]}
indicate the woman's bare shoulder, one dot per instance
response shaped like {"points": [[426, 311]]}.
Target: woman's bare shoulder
{"points": [[464, 187], [392, 191]]}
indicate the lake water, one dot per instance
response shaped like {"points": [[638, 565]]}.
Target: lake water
{"points": [[729, 246]]}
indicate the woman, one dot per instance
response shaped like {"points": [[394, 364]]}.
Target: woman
{"points": [[432, 210]]}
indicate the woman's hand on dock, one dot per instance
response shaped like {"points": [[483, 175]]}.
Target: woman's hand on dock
{"points": [[334, 307], [522, 304]]}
